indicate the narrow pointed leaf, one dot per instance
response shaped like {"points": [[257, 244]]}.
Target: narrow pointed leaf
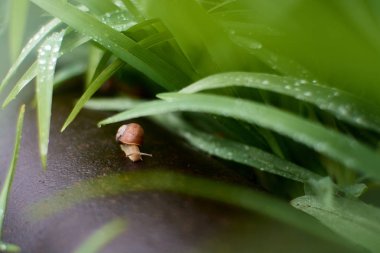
{"points": [[67, 46], [47, 59], [7, 185], [237, 152], [19, 13], [342, 104], [102, 236], [112, 104], [333, 144], [33, 42], [92, 88], [9, 248], [160, 180], [119, 44], [26, 78], [351, 219]]}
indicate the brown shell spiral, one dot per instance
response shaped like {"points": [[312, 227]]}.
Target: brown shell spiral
{"points": [[131, 134]]}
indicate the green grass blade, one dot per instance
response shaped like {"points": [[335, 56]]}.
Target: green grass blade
{"points": [[26, 78], [278, 63], [69, 44], [92, 88], [237, 152], [133, 9], [103, 61], [33, 42], [18, 16], [333, 144], [9, 178], [120, 20], [47, 59], [9, 248], [102, 236], [343, 105], [4, 15], [94, 56], [120, 45], [159, 180], [354, 220], [112, 104], [98, 7]]}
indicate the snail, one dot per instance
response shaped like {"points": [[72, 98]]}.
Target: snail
{"points": [[130, 137]]}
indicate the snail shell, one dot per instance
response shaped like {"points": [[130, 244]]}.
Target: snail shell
{"points": [[131, 134]]}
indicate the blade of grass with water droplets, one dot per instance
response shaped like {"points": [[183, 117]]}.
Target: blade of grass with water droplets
{"points": [[335, 145], [343, 105], [277, 62], [119, 44], [99, 7], [33, 42], [237, 152], [352, 219], [18, 16], [7, 185], [67, 46], [47, 59], [92, 88], [102, 236], [120, 20], [133, 9]]}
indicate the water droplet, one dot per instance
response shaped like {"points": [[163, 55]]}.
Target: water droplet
{"points": [[307, 94]]}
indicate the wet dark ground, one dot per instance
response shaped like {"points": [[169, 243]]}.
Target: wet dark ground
{"points": [[157, 221]]}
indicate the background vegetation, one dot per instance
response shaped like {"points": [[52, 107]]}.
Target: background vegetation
{"points": [[288, 88]]}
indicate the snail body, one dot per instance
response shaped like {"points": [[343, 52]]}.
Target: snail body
{"points": [[130, 137]]}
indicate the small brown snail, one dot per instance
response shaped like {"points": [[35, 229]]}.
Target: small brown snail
{"points": [[131, 137]]}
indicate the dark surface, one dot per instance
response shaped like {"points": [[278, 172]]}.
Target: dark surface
{"points": [[157, 222]]}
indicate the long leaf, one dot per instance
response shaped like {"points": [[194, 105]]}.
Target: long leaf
{"points": [[342, 104], [102, 236], [19, 13], [33, 42], [69, 44], [352, 219], [159, 180], [92, 88], [98, 7], [112, 104], [4, 195], [119, 44], [237, 152], [25, 79], [47, 59], [333, 144], [278, 63]]}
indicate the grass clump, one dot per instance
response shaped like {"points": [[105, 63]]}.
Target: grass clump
{"points": [[288, 86]]}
